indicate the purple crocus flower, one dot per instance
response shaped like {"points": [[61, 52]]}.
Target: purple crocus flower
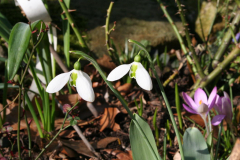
{"points": [[237, 37], [201, 104], [224, 108]]}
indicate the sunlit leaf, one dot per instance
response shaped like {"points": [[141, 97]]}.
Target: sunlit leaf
{"points": [[194, 145], [142, 141]]}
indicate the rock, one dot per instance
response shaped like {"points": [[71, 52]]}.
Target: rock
{"points": [[157, 32], [138, 20], [207, 14]]}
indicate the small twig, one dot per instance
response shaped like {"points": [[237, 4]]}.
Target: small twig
{"points": [[10, 103]]}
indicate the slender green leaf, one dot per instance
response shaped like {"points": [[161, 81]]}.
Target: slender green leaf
{"points": [[18, 44], [30, 107], [178, 106], [142, 141], [194, 145], [8, 86], [66, 35], [5, 27]]}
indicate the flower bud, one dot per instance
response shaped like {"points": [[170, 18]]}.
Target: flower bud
{"points": [[137, 58], [77, 65]]}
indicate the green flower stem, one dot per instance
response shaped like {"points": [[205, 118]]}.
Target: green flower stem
{"points": [[226, 40], [221, 66], [60, 130], [164, 96], [74, 26], [178, 106], [233, 35], [218, 140], [185, 24], [19, 120], [28, 128]]}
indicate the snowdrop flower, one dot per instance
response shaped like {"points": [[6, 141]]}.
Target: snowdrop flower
{"points": [[201, 104], [76, 78], [224, 108], [137, 71]]}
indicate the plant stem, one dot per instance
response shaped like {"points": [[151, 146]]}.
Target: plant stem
{"points": [[164, 96], [178, 106], [195, 58], [107, 34], [226, 40], [74, 26], [19, 120], [221, 66], [218, 140], [28, 128]]}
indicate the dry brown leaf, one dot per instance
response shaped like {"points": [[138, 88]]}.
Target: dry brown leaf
{"points": [[195, 117], [125, 89], [69, 99], [69, 152], [121, 155], [108, 119], [106, 63], [104, 142], [78, 146]]}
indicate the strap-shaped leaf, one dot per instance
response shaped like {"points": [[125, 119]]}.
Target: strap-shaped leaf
{"points": [[18, 44], [142, 141], [5, 27], [194, 145]]}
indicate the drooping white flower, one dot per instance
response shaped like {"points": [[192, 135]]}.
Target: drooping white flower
{"points": [[137, 71], [76, 78]]}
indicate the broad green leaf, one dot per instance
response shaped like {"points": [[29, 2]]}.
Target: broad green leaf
{"points": [[18, 44], [5, 27], [194, 145], [142, 141]]}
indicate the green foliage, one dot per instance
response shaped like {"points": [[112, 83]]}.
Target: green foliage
{"points": [[18, 44], [194, 145], [5, 27], [142, 141]]}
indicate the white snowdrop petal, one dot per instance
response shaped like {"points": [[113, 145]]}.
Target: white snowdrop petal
{"points": [[143, 78], [84, 87], [119, 72], [58, 82]]}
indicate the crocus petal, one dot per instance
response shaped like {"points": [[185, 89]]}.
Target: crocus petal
{"points": [[200, 97], [143, 78], [189, 101], [212, 98], [118, 72], [217, 119], [84, 87], [226, 95], [58, 82], [189, 109], [227, 108]]}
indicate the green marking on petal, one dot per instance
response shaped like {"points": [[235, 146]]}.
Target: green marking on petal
{"points": [[133, 71], [74, 78]]}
